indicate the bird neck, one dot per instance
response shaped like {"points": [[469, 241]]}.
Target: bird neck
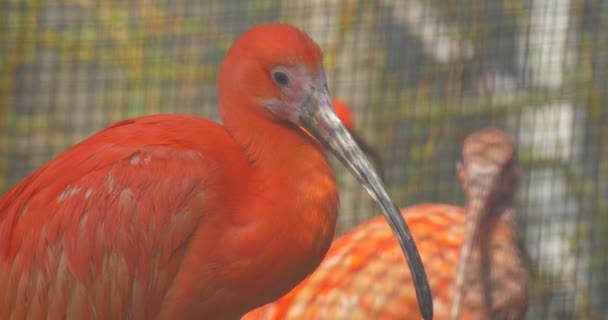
{"points": [[496, 226], [290, 212], [496, 266]]}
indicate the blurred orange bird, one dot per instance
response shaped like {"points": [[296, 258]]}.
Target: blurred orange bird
{"points": [[360, 277], [178, 217]]}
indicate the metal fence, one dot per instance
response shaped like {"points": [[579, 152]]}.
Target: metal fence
{"points": [[419, 75]]}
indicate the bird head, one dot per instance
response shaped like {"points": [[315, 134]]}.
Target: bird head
{"points": [[275, 73], [488, 170]]}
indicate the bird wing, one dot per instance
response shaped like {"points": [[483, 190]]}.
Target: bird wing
{"points": [[101, 230]]}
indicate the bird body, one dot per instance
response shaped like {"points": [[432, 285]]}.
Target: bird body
{"points": [[101, 183], [358, 278], [179, 217]]}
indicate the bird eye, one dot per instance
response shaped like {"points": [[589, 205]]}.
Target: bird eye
{"points": [[280, 78]]}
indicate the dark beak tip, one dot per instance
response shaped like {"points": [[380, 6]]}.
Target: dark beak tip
{"points": [[427, 310], [425, 298]]}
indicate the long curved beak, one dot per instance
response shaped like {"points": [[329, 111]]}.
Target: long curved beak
{"points": [[319, 119], [476, 208], [370, 152]]}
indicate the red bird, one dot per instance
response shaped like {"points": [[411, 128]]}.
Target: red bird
{"points": [[360, 277], [178, 217]]}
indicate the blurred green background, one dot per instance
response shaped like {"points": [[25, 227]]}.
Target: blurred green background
{"points": [[419, 75]]}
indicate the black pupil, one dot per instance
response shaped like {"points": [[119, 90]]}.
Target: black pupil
{"points": [[281, 78]]}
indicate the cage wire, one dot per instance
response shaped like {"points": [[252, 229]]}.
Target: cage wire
{"points": [[419, 76]]}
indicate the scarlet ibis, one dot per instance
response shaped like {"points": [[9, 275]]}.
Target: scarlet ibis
{"points": [[179, 217], [360, 278]]}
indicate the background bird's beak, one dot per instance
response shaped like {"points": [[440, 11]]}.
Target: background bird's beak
{"points": [[475, 209], [319, 119]]}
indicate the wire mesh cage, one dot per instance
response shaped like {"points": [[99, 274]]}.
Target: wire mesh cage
{"points": [[419, 76]]}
